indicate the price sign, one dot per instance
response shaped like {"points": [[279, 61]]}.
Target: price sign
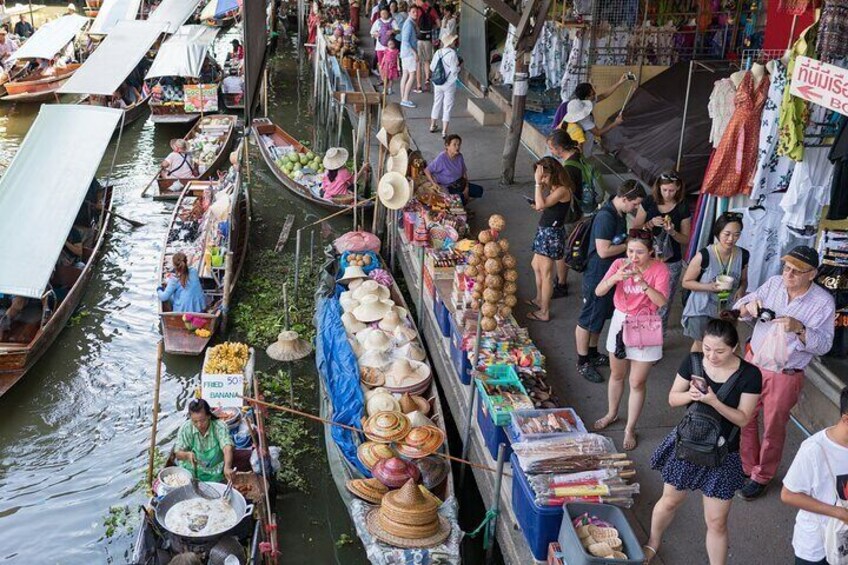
{"points": [[222, 391], [820, 83], [200, 98]]}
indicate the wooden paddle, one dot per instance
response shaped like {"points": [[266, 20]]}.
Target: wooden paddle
{"points": [[130, 221]]}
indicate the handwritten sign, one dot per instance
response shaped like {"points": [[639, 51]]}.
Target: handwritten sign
{"points": [[200, 98], [820, 83], [222, 391]]}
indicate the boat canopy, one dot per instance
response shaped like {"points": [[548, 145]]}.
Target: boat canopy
{"points": [[111, 12], [174, 12], [51, 38], [218, 9], [43, 189], [112, 62], [183, 53]]}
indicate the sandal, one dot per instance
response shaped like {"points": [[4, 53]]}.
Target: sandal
{"points": [[531, 303], [648, 558], [434, 129], [535, 316], [604, 423], [630, 445]]}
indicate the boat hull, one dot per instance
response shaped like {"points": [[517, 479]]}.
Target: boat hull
{"points": [[37, 90]]}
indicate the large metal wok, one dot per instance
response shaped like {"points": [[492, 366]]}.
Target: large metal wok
{"points": [[187, 492]]}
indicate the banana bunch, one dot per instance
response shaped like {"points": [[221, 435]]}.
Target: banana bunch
{"points": [[227, 358]]}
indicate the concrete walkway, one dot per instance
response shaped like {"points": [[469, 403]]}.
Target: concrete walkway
{"points": [[761, 531]]}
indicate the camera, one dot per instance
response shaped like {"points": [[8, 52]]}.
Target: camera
{"points": [[766, 315]]}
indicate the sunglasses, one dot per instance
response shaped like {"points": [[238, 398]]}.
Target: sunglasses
{"points": [[733, 216], [640, 233], [673, 177]]}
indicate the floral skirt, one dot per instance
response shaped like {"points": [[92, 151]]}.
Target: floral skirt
{"points": [[716, 482], [550, 242]]}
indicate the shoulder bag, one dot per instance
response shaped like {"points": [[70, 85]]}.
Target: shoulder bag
{"points": [[835, 531]]}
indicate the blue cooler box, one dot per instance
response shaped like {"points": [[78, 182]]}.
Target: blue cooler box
{"points": [[494, 435], [540, 524], [573, 550], [443, 317], [461, 362]]}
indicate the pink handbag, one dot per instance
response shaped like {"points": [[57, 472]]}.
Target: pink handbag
{"points": [[643, 330]]}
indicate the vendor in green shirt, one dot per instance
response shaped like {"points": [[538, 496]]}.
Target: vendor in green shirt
{"points": [[205, 439]]}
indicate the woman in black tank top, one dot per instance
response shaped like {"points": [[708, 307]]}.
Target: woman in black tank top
{"points": [[553, 198]]}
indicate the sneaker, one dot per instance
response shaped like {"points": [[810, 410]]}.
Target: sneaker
{"points": [[417, 91], [408, 104], [752, 490], [590, 373], [390, 91], [599, 360], [560, 291]]}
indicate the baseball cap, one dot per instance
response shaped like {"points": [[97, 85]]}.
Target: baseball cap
{"points": [[803, 258]]}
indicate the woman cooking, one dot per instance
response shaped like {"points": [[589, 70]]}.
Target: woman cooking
{"points": [[178, 164], [204, 444]]}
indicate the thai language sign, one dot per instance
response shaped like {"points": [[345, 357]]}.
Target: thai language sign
{"points": [[200, 98], [820, 83]]}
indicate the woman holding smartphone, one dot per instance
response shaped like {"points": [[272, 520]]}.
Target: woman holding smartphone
{"points": [[718, 485], [554, 198], [641, 286]]}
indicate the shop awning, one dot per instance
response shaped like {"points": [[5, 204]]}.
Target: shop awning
{"points": [[111, 12], [174, 12], [43, 189], [112, 62], [51, 38], [183, 53], [218, 8]]}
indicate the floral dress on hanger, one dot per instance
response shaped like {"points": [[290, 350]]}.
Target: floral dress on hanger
{"points": [[773, 171]]}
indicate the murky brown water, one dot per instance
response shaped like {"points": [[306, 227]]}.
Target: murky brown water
{"points": [[74, 432]]}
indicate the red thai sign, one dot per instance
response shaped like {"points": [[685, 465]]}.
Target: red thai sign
{"points": [[820, 83]]}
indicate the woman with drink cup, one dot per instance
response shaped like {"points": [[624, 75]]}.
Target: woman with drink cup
{"points": [[716, 277]]}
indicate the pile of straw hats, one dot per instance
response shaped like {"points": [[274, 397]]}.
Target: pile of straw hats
{"points": [[394, 472], [407, 518]]}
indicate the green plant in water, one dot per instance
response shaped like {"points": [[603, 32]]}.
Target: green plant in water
{"points": [[344, 540], [119, 520], [78, 317]]}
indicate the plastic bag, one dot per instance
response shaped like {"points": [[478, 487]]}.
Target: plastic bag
{"points": [[357, 241], [663, 248], [773, 353]]}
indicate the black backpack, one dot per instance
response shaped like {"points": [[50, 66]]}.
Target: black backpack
{"points": [[440, 75], [425, 25], [577, 246], [699, 438]]}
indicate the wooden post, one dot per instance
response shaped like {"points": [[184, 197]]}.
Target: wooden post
{"points": [[516, 124], [228, 278], [160, 348]]}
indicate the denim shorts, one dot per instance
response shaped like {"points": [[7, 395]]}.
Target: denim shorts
{"points": [[596, 310]]}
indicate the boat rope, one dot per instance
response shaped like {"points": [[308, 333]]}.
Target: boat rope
{"points": [[359, 431], [491, 514]]}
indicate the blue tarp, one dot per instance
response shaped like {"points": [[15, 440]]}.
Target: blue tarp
{"points": [[339, 369]]}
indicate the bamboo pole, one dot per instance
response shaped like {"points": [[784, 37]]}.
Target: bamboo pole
{"points": [[160, 348], [228, 277], [496, 505]]}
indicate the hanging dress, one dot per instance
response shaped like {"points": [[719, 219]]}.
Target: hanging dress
{"points": [[773, 171], [732, 166]]}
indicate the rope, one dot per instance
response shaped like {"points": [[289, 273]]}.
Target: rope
{"points": [[491, 514]]}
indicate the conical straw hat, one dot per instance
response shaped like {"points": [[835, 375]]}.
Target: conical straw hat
{"points": [[369, 490], [370, 453], [392, 119], [289, 347], [421, 442], [399, 142], [408, 518], [371, 286]]}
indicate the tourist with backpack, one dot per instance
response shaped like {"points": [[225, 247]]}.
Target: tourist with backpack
{"points": [[720, 391], [816, 484], [585, 92], [595, 254], [445, 68], [666, 214], [428, 24], [383, 29]]}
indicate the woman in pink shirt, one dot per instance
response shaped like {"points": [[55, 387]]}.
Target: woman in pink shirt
{"points": [[338, 180], [641, 285]]}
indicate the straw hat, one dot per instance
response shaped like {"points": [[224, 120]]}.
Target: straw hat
{"points": [[399, 142], [405, 372], [390, 321], [352, 273], [392, 119], [375, 359], [394, 472], [434, 470], [410, 351], [352, 325], [381, 402], [421, 442], [398, 163], [371, 286], [414, 403], [577, 110], [373, 377], [383, 137], [371, 308], [370, 453], [449, 40], [417, 419], [369, 490], [289, 347], [335, 158], [348, 302], [394, 190], [404, 334], [408, 519], [369, 392], [373, 339], [386, 427]]}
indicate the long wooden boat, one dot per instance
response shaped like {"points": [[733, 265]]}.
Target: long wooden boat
{"points": [[152, 544], [233, 102], [174, 112], [33, 339], [268, 135], [218, 281], [224, 125], [35, 87], [131, 113], [342, 470]]}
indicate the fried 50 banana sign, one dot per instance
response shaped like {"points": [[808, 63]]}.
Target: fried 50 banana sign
{"points": [[222, 391]]}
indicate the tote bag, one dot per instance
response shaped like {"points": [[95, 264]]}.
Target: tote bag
{"points": [[835, 531]]}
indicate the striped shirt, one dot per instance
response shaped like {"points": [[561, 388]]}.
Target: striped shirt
{"points": [[815, 309]]}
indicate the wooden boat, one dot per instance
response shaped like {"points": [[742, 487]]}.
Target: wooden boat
{"points": [[153, 546], [34, 335], [35, 87], [159, 187], [218, 280], [268, 135], [233, 102], [340, 468], [131, 113]]}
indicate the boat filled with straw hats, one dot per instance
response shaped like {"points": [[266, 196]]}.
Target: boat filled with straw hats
{"points": [[392, 473]]}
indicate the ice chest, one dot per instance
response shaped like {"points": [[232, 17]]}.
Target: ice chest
{"points": [[540, 524], [443, 316], [493, 435], [573, 550]]}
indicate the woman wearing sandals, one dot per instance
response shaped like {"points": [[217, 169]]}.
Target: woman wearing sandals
{"points": [[554, 198], [641, 287], [719, 363]]}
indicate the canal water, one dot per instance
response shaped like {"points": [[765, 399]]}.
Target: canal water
{"points": [[74, 432]]}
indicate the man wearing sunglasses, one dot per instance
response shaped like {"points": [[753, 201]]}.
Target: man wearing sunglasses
{"points": [[806, 312]]}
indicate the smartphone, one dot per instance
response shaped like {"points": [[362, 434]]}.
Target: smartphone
{"points": [[528, 199], [630, 76], [700, 383]]}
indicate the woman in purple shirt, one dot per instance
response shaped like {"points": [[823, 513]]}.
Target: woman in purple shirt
{"points": [[448, 172]]}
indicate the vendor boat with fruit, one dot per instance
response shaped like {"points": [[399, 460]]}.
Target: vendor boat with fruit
{"points": [[296, 167]]}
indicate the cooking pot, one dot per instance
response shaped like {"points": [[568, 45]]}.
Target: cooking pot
{"points": [[237, 502]]}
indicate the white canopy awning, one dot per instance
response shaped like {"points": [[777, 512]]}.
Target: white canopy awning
{"points": [[183, 53], [51, 38], [115, 58], [174, 12], [43, 189], [111, 12]]}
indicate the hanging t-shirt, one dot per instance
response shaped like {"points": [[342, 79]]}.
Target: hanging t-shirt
{"points": [[629, 296], [809, 474], [762, 234]]}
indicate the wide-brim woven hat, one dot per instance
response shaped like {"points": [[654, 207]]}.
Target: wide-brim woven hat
{"points": [[434, 470], [399, 142], [421, 442], [406, 372], [289, 347], [418, 540], [352, 273], [407, 518], [370, 453], [348, 302], [414, 403], [577, 110], [374, 339], [386, 427], [351, 325], [418, 419], [335, 158], [370, 286], [392, 119], [449, 40], [369, 490], [398, 163], [410, 351], [390, 321], [394, 472], [371, 308], [403, 334], [394, 190], [374, 359], [382, 402]]}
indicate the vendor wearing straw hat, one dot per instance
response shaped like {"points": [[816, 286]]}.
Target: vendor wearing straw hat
{"points": [[448, 171], [338, 180]]}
